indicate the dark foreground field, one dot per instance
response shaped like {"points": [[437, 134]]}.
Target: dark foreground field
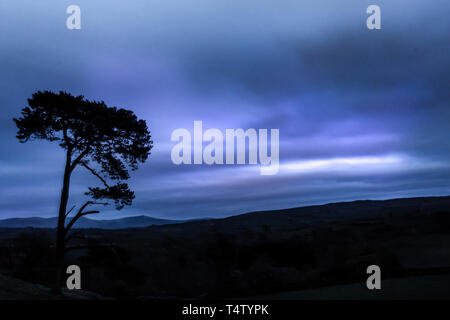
{"points": [[312, 252]]}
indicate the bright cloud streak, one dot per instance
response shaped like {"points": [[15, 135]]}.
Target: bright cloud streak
{"points": [[339, 163]]}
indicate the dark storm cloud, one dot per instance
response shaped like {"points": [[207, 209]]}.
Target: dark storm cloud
{"points": [[338, 92]]}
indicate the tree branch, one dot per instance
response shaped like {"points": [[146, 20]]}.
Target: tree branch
{"points": [[79, 158], [68, 212], [90, 212], [79, 214], [94, 173]]}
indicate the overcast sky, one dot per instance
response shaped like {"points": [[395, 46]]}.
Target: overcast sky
{"points": [[362, 114]]}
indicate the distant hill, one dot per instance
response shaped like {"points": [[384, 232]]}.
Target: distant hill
{"points": [[86, 223], [345, 211], [301, 216], [323, 214]]}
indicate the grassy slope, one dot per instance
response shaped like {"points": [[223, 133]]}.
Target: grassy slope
{"points": [[424, 287]]}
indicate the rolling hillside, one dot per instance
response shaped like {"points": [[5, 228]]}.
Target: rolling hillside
{"points": [[86, 223]]}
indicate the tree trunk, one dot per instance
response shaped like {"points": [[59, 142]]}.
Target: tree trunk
{"points": [[60, 233]]}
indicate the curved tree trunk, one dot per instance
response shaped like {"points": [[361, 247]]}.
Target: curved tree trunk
{"points": [[60, 233]]}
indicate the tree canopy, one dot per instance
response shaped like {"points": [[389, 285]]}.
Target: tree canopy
{"points": [[112, 139]]}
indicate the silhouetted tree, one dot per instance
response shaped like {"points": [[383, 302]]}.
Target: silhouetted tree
{"points": [[105, 141]]}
